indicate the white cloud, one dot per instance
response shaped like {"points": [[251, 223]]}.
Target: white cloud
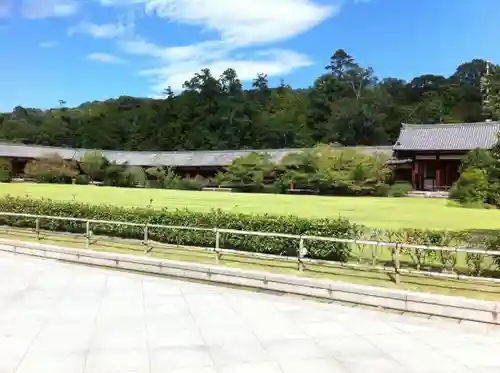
{"points": [[35, 9], [49, 44], [273, 63], [106, 58], [106, 30], [238, 26], [245, 22]]}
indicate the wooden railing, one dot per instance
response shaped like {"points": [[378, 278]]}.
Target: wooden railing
{"points": [[396, 249]]}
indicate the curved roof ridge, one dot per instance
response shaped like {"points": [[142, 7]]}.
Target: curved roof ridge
{"points": [[147, 152], [438, 125], [455, 136]]}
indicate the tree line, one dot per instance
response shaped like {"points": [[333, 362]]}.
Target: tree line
{"points": [[348, 104]]}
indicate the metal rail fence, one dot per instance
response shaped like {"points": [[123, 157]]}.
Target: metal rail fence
{"points": [[300, 259]]}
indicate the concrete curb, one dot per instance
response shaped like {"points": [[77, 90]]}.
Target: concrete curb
{"points": [[431, 304]]}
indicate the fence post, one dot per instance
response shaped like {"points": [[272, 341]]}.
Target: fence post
{"points": [[375, 254], [396, 262], [146, 239], [37, 228], [87, 234], [217, 246], [300, 255]]}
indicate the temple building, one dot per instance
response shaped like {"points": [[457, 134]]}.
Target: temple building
{"points": [[428, 155]]}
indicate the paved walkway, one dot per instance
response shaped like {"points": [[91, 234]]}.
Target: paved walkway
{"points": [[65, 318]]}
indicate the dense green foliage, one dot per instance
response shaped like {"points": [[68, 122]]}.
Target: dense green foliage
{"points": [[348, 104], [329, 227], [51, 169], [472, 187], [479, 181], [477, 158], [399, 190], [5, 171], [323, 169], [95, 168], [341, 228]]}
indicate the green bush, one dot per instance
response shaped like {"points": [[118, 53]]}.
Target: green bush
{"points": [[382, 190], [82, 179], [190, 183], [477, 158], [400, 190], [471, 188], [5, 171], [51, 168], [134, 176], [340, 228]]}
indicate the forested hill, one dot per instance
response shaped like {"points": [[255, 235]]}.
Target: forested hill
{"points": [[348, 104]]}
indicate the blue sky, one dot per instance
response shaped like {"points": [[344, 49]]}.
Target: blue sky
{"points": [[82, 50]]}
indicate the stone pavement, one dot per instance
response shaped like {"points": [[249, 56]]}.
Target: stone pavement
{"points": [[66, 318]]}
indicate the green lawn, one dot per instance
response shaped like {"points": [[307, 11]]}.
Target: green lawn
{"points": [[370, 211]]}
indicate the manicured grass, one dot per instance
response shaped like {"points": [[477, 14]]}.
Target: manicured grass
{"points": [[390, 213], [414, 282]]}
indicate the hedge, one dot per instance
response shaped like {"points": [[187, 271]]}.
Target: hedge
{"points": [[340, 227]]}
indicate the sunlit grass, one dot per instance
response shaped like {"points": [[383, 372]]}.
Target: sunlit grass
{"points": [[393, 213]]}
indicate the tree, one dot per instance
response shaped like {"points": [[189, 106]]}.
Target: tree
{"points": [[250, 173], [491, 92], [94, 164], [51, 169], [471, 187], [477, 159], [347, 104], [5, 171]]}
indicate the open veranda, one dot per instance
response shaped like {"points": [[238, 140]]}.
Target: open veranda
{"points": [[386, 213]]}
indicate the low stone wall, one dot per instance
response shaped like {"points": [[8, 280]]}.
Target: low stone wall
{"points": [[431, 304]]}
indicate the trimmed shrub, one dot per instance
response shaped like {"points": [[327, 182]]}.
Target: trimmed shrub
{"points": [[5, 171], [400, 190], [51, 169], [191, 183], [82, 179], [340, 228], [471, 188], [135, 176], [382, 190]]}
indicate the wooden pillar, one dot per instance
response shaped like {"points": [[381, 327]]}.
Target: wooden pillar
{"points": [[414, 173], [438, 173]]}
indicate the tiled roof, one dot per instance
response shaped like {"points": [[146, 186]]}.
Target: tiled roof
{"points": [[463, 136], [201, 158]]}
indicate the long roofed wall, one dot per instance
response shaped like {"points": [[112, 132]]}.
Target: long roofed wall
{"points": [[199, 158]]}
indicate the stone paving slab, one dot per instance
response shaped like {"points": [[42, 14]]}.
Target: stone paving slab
{"points": [[66, 318]]}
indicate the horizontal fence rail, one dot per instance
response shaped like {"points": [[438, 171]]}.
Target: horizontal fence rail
{"points": [[301, 259]]}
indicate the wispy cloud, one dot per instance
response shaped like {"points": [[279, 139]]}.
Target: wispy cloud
{"points": [[245, 22], [36, 9], [271, 62], [239, 26], [49, 44], [102, 31], [106, 58]]}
